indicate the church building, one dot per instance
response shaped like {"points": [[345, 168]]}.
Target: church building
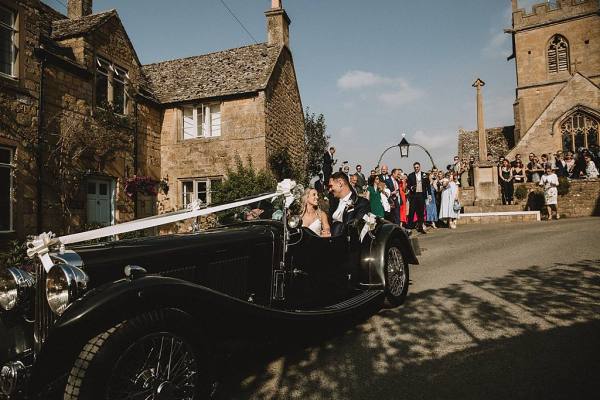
{"points": [[556, 50]]}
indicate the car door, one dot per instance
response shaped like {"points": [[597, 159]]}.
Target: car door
{"points": [[317, 266]]}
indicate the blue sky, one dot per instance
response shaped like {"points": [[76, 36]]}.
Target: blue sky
{"points": [[375, 69]]}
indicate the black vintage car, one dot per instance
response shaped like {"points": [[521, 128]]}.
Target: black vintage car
{"points": [[143, 318]]}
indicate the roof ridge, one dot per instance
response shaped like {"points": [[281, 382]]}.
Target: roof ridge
{"points": [[205, 54]]}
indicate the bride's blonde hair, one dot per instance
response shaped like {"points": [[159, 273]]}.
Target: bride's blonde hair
{"points": [[304, 202]]}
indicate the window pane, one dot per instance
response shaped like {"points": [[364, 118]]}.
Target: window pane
{"points": [[91, 188], [5, 156], [188, 192], [103, 189], [592, 137], [6, 16], [6, 51], [119, 97], [567, 142], [201, 191], [579, 140], [101, 90], [188, 123], [5, 206], [215, 116]]}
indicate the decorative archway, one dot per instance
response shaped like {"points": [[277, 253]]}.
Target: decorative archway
{"points": [[579, 129]]}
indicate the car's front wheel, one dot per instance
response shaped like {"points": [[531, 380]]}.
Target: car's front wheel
{"points": [[396, 275], [151, 356]]}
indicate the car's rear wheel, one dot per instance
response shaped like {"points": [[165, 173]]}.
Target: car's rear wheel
{"points": [[396, 275], [152, 356]]}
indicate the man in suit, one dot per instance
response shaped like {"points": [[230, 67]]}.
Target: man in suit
{"points": [[361, 179], [418, 186], [393, 185], [384, 176], [319, 183], [328, 162], [345, 205]]}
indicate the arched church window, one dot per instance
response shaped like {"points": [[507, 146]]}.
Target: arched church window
{"points": [[579, 130], [558, 54]]}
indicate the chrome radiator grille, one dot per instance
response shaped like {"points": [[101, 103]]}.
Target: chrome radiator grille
{"points": [[43, 316]]}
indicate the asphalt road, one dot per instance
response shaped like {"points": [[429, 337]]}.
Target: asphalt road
{"points": [[494, 312]]}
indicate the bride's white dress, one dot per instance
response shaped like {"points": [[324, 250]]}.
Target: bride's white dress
{"points": [[316, 226]]}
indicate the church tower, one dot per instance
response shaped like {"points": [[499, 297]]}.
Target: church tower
{"points": [[556, 47]]}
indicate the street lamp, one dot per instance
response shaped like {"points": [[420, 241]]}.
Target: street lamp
{"points": [[404, 146]]}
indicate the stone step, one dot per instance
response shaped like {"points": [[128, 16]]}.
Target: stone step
{"points": [[498, 217], [493, 208]]}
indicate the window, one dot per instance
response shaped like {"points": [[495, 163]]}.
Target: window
{"points": [[6, 189], [558, 55], [199, 189], [202, 121], [111, 86], [8, 42], [579, 130]]}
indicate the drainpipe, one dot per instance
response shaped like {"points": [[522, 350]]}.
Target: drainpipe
{"points": [[39, 150], [135, 155]]}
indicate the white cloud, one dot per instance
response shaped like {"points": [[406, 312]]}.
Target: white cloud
{"points": [[359, 79], [498, 46], [402, 95], [433, 141], [392, 92]]}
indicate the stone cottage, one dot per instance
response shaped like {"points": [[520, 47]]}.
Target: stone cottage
{"points": [[556, 48], [68, 79]]}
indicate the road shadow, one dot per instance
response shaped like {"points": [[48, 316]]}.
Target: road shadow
{"points": [[533, 333]]}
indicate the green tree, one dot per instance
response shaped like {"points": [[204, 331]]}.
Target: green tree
{"points": [[316, 139], [244, 181]]}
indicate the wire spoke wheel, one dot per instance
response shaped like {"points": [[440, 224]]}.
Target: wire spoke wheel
{"points": [[158, 366], [396, 273]]}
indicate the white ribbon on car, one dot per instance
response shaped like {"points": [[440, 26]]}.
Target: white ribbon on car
{"points": [[370, 224], [40, 245]]}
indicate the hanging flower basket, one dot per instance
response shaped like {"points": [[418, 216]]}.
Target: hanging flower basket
{"points": [[163, 186], [141, 184]]}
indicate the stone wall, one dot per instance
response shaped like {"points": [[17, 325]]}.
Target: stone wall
{"points": [[242, 132], [544, 135], [583, 199], [18, 119], [285, 116], [499, 141]]}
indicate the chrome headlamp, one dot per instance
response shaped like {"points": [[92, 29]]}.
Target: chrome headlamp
{"points": [[64, 284], [15, 285]]}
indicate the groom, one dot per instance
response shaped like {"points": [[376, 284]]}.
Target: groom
{"points": [[345, 205]]}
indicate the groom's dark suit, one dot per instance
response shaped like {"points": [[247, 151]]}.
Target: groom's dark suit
{"points": [[417, 199], [356, 211]]}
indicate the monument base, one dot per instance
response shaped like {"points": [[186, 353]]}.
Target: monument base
{"points": [[486, 184]]}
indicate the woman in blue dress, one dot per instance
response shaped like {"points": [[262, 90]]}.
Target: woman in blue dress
{"points": [[430, 204]]}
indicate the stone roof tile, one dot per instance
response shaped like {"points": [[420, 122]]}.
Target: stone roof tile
{"points": [[229, 72], [65, 28]]}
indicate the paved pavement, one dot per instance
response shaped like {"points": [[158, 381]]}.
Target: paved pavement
{"points": [[494, 312]]}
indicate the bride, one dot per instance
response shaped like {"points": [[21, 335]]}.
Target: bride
{"points": [[312, 217]]}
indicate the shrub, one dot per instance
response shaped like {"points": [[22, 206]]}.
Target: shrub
{"points": [[15, 255], [521, 192], [535, 201], [563, 186], [244, 181]]}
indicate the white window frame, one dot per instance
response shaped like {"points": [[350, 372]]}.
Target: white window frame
{"points": [[14, 50], [195, 192], [11, 188], [115, 74], [203, 121]]}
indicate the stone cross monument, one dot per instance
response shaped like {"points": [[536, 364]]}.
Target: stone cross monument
{"points": [[486, 173], [480, 122]]}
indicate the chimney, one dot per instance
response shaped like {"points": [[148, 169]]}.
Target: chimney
{"points": [[278, 25], [79, 8]]}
